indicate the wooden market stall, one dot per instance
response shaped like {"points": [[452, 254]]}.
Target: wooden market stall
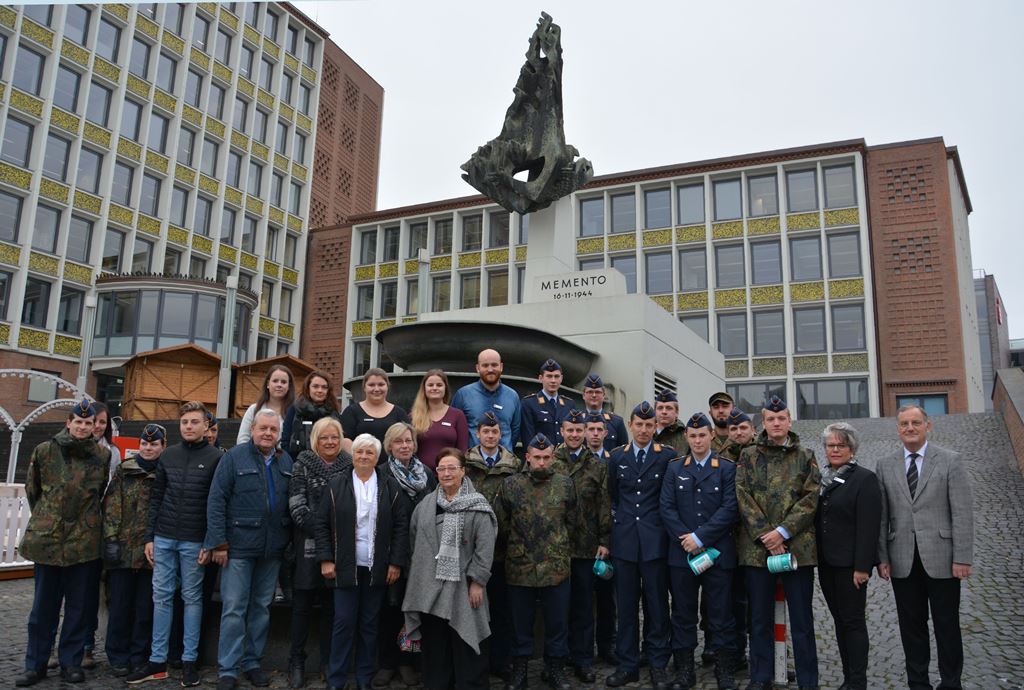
{"points": [[157, 382]]}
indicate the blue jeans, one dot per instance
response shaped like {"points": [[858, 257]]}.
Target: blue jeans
{"points": [[246, 592], [176, 562]]}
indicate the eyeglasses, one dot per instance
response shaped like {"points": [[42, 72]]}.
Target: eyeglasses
{"points": [[911, 423], [445, 469], [335, 439], [836, 446]]}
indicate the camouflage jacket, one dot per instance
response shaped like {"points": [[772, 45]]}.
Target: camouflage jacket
{"points": [[719, 443], [731, 451], [125, 508], [65, 482], [488, 481], [674, 436], [536, 515], [777, 486], [589, 475]]}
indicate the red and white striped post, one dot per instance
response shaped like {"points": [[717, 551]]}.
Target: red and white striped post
{"points": [[781, 672]]}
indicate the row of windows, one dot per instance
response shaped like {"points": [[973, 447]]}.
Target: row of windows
{"points": [[473, 231], [36, 304], [472, 294], [726, 200], [817, 399]]}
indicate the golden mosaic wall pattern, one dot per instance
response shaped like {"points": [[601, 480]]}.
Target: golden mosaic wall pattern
{"points": [[32, 339], [8, 16], [726, 229], [441, 263], [10, 254], [54, 190], [228, 253], [199, 58], [664, 301], [184, 174], [290, 275], [165, 100], [250, 261], [361, 328], [520, 253], [246, 87], [16, 177], [40, 35], [365, 272], [149, 27], [96, 134], [78, 273], [208, 184], [736, 369], [850, 362], [271, 269], [177, 235], [202, 244], [691, 233], [106, 69], [286, 330], [496, 256], [266, 325], [620, 242], [589, 245], [174, 43], [767, 294], [66, 345], [411, 266], [215, 127], [692, 300], [294, 223], [384, 323], [806, 292], [469, 259], [148, 225], [74, 52], [139, 86], [156, 161], [849, 287], [129, 149], [770, 366], [803, 221], [763, 226], [388, 270], [657, 238], [118, 10], [5, 334], [233, 196], [87, 202], [842, 216], [812, 364], [253, 204], [192, 115], [26, 103], [730, 298], [43, 263]]}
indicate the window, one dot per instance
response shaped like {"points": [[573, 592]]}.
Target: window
{"points": [[443, 236], [361, 355], [294, 198], [750, 397], [271, 244], [131, 115], [108, 40], [28, 71], [591, 264], [222, 51], [5, 293], [255, 180], [216, 105], [497, 288], [368, 247], [801, 190], [244, 281], [934, 404], [90, 165], [498, 222], [186, 146], [364, 302], [626, 265], [227, 226], [200, 32], [299, 153], [223, 273], [732, 335], [44, 236], [79, 239], [208, 162], [266, 73], [805, 257], [809, 330], [36, 303], [763, 195], [204, 207], [658, 208], [65, 89], [76, 24], [281, 139], [173, 16], [591, 217], [308, 52], [697, 324], [97, 110], [388, 300], [139, 62], [148, 9], [728, 204], [765, 263], [693, 270], [172, 262], [844, 255], [266, 298], [769, 333], [252, 11], [472, 233], [691, 204], [158, 125], [524, 229], [658, 270], [245, 62], [142, 255], [270, 25], [291, 40], [840, 190], [520, 283], [150, 198], [305, 98], [197, 267], [624, 212], [166, 68], [179, 206], [442, 292], [848, 327], [10, 216], [412, 297], [729, 266], [286, 87], [259, 126], [276, 183], [193, 88], [121, 186], [39, 13], [391, 243], [839, 399], [286, 305], [249, 225], [55, 159], [291, 249], [17, 142], [470, 291], [417, 239], [263, 344]]}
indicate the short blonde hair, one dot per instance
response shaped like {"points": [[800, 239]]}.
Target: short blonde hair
{"points": [[320, 427], [396, 430]]}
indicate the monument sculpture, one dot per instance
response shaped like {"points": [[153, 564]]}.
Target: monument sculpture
{"points": [[532, 138]]}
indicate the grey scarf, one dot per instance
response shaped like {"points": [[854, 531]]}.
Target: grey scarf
{"points": [[828, 475], [467, 499], [412, 478]]}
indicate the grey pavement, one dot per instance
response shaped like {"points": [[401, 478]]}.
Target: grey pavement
{"points": [[992, 613]]}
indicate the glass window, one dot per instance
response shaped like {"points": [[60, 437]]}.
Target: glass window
{"points": [[193, 88], [623, 212], [255, 180], [148, 9], [249, 226], [417, 239], [412, 297], [113, 247], [186, 146], [729, 266], [173, 17], [227, 226], [840, 190], [5, 293], [769, 335], [157, 139], [286, 305], [65, 90], [90, 164], [305, 98], [216, 105], [200, 32], [728, 204], [178, 317], [658, 208], [591, 217], [204, 207], [732, 335], [131, 115], [497, 288], [208, 163], [294, 198], [271, 245], [658, 270], [150, 198], [442, 293], [286, 87], [259, 126], [172, 262], [498, 222], [292, 40], [693, 270], [10, 216], [524, 229], [97, 110], [222, 51], [765, 263], [364, 302], [299, 153], [55, 159], [388, 300], [263, 345], [139, 62], [197, 266], [252, 12], [472, 233], [691, 204], [121, 187], [443, 236], [361, 357], [36, 303], [108, 40], [763, 193], [142, 255], [368, 247], [281, 139], [79, 239], [809, 329], [805, 257], [848, 327], [76, 24], [934, 404], [207, 327], [801, 190], [626, 265], [179, 206], [270, 25], [750, 397], [223, 273], [844, 255], [308, 52], [28, 71], [266, 298], [291, 248], [39, 13], [697, 324], [245, 62], [591, 264], [470, 291], [839, 399], [166, 69], [44, 236], [266, 73], [276, 185], [391, 243], [17, 142]]}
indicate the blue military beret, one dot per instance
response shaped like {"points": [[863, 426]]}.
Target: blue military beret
{"points": [[595, 418], [643, 411], [698, 420], [576, 417], [666, 396], [593, 381], [488, 419], [540, 442], [550, 365], [153, 433], [84, 409], [720, 397], [775, 404], [737, 416]]}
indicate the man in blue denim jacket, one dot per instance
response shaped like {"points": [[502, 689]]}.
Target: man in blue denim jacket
{"points": [[248, 528]]}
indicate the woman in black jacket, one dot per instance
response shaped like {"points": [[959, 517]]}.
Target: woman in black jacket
{"points": [[362, 543], [316, 401], [847, 531]]}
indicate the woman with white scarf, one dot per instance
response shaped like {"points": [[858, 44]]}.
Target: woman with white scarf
{"points": [[452, 535]]}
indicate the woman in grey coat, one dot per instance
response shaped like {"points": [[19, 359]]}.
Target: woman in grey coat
{"points": [[452, 536]]}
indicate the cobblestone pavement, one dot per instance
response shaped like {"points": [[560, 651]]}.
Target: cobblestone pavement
{"points": [[992, 613]]}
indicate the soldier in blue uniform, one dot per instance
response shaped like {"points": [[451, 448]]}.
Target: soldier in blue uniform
{"points": [[595, 432], [593, 398], [698, 507], [639, 548], [544, 410]]}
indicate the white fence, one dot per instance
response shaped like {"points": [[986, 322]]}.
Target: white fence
{"points": [[14, 512]]}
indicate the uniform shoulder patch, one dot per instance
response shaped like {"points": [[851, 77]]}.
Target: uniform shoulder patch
{"points": [[607, 417], [714, 463]]}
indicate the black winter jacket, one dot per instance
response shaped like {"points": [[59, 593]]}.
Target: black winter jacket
{"points": [[177, 503]]}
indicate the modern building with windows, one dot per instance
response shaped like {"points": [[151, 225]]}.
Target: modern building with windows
{"points": [[149, 153], [810, 269]]}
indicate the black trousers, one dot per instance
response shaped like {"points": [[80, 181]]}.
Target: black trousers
{"points": [[130, 619], [501, 618], [604, 591], [389, 655], [302, 613], [715, 588], [78, 588], [846, 604], [554, 602], [448, 662], [915, 594], [647, 580], [581, 612], [356, 616]]}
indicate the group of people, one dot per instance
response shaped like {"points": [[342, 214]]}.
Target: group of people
{"points": [[429, 544]]}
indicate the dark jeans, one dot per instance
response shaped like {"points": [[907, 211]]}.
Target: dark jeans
{"points": [[501, 618], [130, 619], [647, 580], [302, 612], [799, 587], [448, 661], [554, 601], [77, 587], [581, 612], [356, 612]]}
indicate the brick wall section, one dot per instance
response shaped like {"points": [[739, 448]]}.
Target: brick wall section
{"points": [[913, 252], [14, 392], [1008, 401]]}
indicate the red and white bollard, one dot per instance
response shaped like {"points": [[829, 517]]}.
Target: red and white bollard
{"points": [[781, 673]]}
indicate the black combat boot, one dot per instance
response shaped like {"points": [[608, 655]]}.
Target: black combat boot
{"points": [[686, 675], [660, 679], [556, 677], [517, 679], [724, 670]]}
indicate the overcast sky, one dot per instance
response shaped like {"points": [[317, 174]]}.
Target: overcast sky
{"points": [[657, 83]]}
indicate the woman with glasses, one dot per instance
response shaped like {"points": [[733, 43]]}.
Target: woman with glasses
{"points": [[847, 531]]}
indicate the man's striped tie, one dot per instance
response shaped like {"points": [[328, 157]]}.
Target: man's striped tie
{"points": [[912, 474]]}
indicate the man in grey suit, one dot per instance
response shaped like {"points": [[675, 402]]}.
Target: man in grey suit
{"points": [[926, 546]]}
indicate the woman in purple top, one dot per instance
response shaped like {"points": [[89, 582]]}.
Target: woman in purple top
{"points": [[437, 424]]}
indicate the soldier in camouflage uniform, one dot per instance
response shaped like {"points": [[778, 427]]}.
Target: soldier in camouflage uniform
{"points": [[536, 513], [66, 479], [741, 434], [719, 406], [591, 537], [129, 574], [670, 432], [777, 482]]}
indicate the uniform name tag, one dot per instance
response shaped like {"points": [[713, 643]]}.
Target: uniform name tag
{"points": [[498, 407], [446, 423], [367, 419], [839, 479]]}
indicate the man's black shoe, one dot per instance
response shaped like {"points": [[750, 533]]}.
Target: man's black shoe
{"points": [[296, 675], [119, 671], [29, 678], [227, 683], [758, 685], [586, 674], [609, 656], [72, 674], [660, 679], [190, 674], [258, 677], [146, 672], [620, 678]]}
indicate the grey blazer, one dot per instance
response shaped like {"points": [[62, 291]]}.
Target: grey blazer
{"points": [[940, 517]]}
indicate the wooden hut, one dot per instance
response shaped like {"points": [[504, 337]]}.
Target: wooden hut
{"points": [[157, 382], [249, 379]]}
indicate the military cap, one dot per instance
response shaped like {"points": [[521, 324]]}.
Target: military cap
{"points": [[210, 419], [595, 418], [153, 433], [593, 381], [720, 397], [774, 404], [576, 417], [737, 416], [643, 411], [540, 442], [666, 396], [84, 409], [488, 419], [698, 420], [550, 365]]}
